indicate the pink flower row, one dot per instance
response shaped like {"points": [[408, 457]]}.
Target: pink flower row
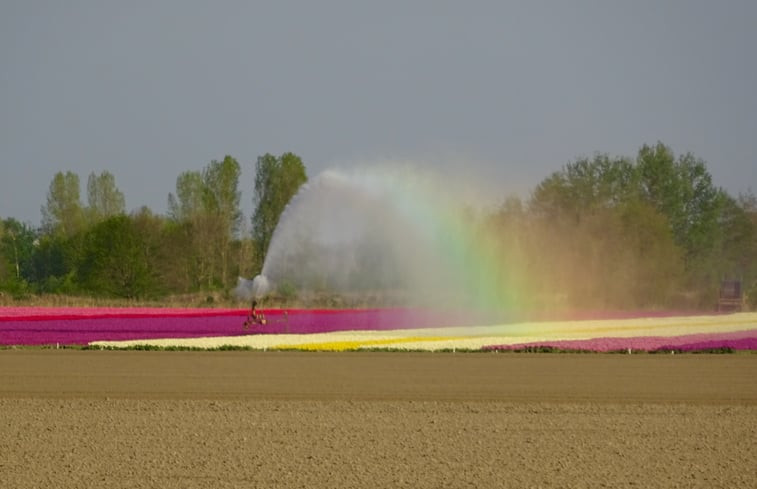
{"points": [[740, 340], [48, 313]]}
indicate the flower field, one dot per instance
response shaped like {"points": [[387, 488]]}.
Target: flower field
{"points": [[81, 326], [339, 330]]}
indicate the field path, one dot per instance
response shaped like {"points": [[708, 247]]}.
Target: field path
{"points": [[378, 375], [130, 419]]}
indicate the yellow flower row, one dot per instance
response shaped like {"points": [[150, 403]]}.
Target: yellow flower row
{"points": [[362, 344]]}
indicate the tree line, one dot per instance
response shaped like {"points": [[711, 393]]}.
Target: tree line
{"points": [[646, 232], [651, 231], [202, 244]]}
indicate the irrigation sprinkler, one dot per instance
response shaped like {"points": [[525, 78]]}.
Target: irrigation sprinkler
{"points": [[257, 318]]}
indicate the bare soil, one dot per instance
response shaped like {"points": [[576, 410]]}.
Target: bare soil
{"points": [[71, 419]]}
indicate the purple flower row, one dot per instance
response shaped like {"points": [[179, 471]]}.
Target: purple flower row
{"points": [[740, 340]]}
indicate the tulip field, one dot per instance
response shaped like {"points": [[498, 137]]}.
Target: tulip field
{"points": [[369, 329]]}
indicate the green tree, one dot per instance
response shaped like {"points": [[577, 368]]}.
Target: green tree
{"points": [[206, 216], [746, 237], [63, 213], [4, 265], [103, 197], [737, 246], [188, 201], [115, 260], [16, 249], [585, 186], [191, 231], [177, 258], [54, 263], [682, 190], [617, 232], [650, 263], [244, 251], [158, 252], [277, 180], [221, 203], [606, 200]]}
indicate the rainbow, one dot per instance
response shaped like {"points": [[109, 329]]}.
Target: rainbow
{"points": [[392, 228]]}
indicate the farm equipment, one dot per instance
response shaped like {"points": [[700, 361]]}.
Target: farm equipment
{"points": [[257, 318], [254, 317], [731, 297]]}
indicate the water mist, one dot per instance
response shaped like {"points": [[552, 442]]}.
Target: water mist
{"points": [[389, 229]]}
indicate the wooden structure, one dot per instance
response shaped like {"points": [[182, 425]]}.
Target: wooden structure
{"points": [[731, 297]]}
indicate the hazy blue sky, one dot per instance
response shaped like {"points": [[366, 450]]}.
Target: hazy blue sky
{"points": [[506, 92]]}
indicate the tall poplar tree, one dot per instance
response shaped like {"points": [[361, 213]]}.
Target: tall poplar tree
{"points": [[103, 197], [206, 210], [277, 180], [221, 203], [63, 213]]}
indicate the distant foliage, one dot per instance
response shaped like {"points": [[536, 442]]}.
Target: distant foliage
{"points": [[16, 251], [619, 233], [650, 231], [115, 260]]}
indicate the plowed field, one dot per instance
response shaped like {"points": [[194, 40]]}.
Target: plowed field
{"points": [[71, 419]]}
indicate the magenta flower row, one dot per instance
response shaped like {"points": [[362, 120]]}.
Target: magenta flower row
{"points": [[739, 340], [79, 326]]}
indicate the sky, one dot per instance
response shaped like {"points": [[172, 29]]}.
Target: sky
{"points": [[497, 93]]}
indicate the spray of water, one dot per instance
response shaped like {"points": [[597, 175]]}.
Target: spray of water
{"points": [[255, 288], [391, 229]]}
